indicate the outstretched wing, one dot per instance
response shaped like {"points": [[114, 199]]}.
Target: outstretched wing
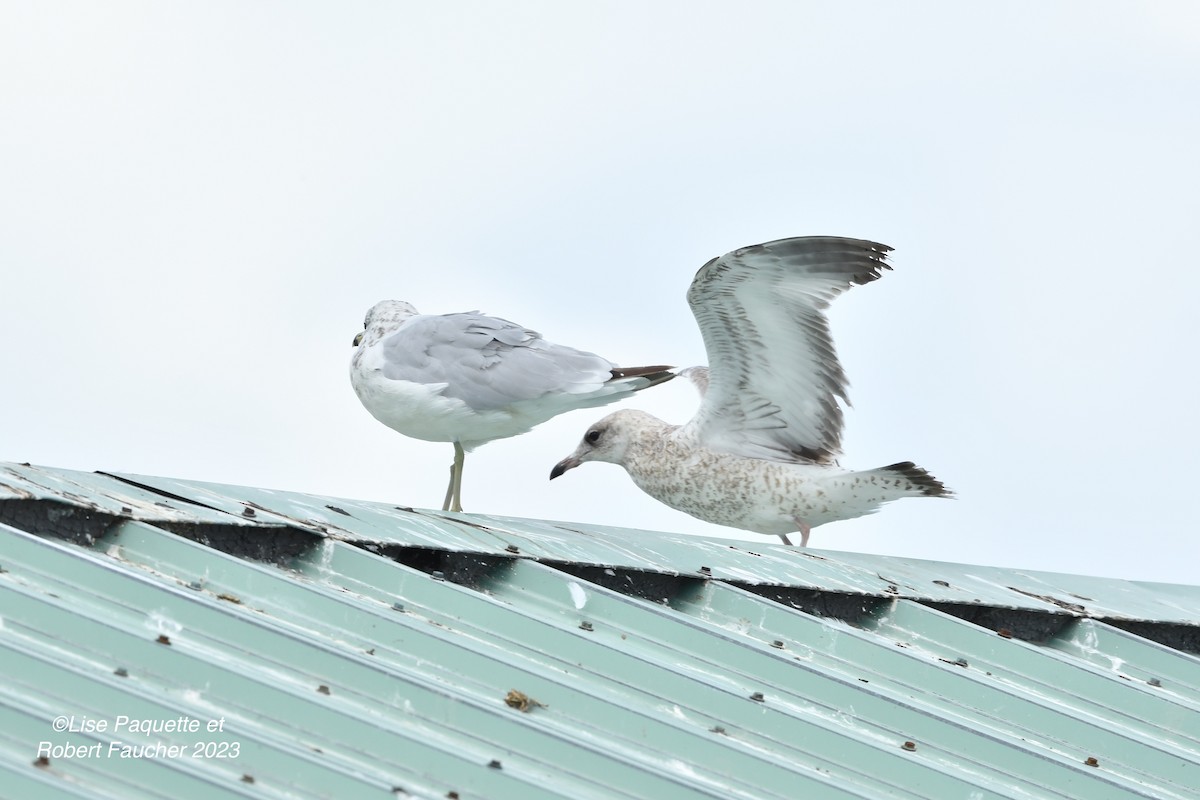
{"points": [[774, 380]]}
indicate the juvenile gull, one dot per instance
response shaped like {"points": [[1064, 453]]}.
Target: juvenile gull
{"points": [[761, 452], [470, 379]]}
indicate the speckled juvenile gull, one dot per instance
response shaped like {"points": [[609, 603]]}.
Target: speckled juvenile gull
{"points": [[761, 452], [470, 379]]}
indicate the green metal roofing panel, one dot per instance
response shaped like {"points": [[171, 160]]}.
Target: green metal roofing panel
{"points": [[102, 494], [768, 562], [353, 649]]}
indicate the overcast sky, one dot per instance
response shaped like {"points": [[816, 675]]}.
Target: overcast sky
{"points": [[199, 201]]}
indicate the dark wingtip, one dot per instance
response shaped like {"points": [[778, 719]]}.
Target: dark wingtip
{"points": [[929, 485], [870, 257], [638, 372], [655, 375]]}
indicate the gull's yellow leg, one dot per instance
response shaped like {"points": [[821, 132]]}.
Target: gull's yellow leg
{"points": [[456, 472]]}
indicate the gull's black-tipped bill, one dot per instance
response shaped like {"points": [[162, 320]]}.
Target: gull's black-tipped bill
{"points": [[563, 466]]}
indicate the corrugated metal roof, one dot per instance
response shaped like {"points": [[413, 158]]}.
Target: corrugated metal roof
{"points": [[351, 649]]}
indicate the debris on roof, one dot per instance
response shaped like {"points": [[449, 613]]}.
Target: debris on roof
{"points": [[168, 638]]}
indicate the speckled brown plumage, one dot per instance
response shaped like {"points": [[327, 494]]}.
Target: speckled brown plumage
{"points": [[761, 452]]}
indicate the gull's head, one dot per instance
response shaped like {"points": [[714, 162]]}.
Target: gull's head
{"points": [[607, 440], [383, 318]]}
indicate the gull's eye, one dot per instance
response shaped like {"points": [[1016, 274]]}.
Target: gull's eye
{"points": [[592, 436]]}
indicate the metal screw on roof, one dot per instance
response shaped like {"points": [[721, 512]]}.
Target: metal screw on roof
{"points": [[197, 585], [494, 763], [961, 662], [323, 689], [706, 570], [1092, 762], [909, 746], [512, 548], [247, 779], [438, 575], [585, 625], [757, 697], [247, 512], [398, 607], [777, 643], [1154, 682], [41, 761], [717, 729], [126, 510], [121, 672]]}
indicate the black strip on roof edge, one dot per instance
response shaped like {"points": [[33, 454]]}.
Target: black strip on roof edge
{"points": [[57, 520]]}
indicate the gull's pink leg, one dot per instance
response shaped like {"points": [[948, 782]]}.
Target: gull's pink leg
{"points": [[804, 528]]}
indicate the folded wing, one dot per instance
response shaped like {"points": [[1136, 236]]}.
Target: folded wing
{"points": [[488, 362]]}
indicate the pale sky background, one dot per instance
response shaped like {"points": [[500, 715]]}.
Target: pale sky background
{"points": [[199, 201]]}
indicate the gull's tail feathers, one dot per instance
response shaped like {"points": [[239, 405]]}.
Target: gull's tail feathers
{"points": [[911, 480]]}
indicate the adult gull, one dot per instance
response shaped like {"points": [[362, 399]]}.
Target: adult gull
{"points": [[470, 379], [761, 452]]}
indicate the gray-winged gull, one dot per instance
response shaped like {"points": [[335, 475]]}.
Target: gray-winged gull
{"points": [[470, 379], [761, 452]]}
